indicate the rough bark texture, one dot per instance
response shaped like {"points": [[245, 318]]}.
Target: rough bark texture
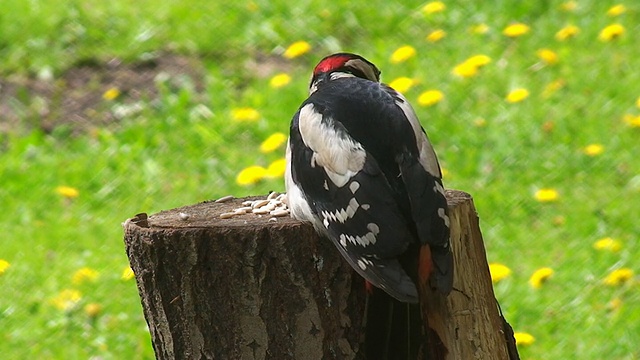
{"points": [[468, 321], [250, 288]]}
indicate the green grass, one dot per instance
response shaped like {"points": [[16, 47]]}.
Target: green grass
{"points": [[173, 153]]}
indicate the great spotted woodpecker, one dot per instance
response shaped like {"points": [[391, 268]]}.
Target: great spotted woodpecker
{"points": [[362, 170]]}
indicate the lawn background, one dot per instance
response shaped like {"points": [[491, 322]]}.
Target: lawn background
{"points": [[183, 145]]}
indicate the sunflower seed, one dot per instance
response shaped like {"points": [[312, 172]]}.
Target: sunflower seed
{"points": [[225, 199], [260, 211], [279, 213], [259, 203], [227, 215]]}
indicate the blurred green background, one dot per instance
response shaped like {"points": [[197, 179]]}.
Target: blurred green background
{"points": [[112, 108]]}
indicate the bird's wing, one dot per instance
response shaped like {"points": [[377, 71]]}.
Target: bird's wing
{"points": [[352, 201], [422, 178]]}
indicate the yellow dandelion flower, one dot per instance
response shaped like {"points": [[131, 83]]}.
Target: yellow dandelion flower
{"points": [[567, 32], [517, 95], [402, 84], [523, 338], [251, 175], [68, 192], [631, 120], [470, 67], [245, 114], [608, 244], [552, 87], [276, 169], [617, 10], [67, 299], [546, 195], [480, 29], [436, 35], [498, 272], [480, 122], [593, 149], [569, 6], [547, 56], [618, 277], [430, 97], [92, 309], [539, 277], [279, 80], [433, 7], [296, 49], [465, 70], [127, 274], [4, 265], [83, 275], [111, 94], [516, 30], [478, 60], [273, 142], [611, 32], [402, 54]]}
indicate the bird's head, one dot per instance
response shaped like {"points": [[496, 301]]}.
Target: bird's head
{"points": [[343, 65]]}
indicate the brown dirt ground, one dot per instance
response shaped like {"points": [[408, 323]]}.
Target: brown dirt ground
{"points": [[75, 97]]}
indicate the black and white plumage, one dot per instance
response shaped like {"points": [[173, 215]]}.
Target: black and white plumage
{"points": [[362, 170]]}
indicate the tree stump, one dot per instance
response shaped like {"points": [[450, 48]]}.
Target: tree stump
{"points": [[252, 288]]}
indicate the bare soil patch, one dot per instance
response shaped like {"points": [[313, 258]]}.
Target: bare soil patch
{"points": [[76, 98]]}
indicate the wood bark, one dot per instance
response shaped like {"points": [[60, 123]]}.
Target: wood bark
{"points": [[253, 288]]}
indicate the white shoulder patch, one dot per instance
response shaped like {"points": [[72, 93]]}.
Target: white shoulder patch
{"points": [[428, 158], [339, 155]]}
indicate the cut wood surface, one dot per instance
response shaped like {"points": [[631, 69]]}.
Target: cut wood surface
{"points": [[248, 287]]}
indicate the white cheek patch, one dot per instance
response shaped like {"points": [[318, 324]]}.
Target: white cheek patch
{"points": [[339, 155]]}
